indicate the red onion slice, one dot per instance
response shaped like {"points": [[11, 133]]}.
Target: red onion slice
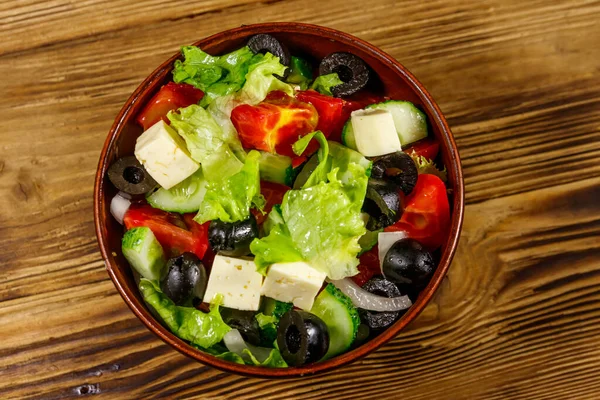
{"points": [[235, 343], [369, 301], [119, 206]]}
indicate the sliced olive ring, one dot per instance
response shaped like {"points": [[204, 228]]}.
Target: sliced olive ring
{"points": [[129, 176], [382, 203], [377, 321], [263, 43], [351, 69], [186, 279], [243, 321], [232, 238], [397, 167], [302, 338]]}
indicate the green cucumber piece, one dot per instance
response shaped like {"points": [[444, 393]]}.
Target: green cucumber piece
{"points": [[348, 135], [185, 197], [340, 316], [276, 168], [144, 253], [410, 122]]}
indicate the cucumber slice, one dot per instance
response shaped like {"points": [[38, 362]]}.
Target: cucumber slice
{"points": [[410, 122], [340, 316], [184, 197], [348, 136], [144, 253], [276, 168]]}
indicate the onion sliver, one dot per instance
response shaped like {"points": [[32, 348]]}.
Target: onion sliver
{"points": [[119, 206], [385, 240], [369, 301], [235, 343]]}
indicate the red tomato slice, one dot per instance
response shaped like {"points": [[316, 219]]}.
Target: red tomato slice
{"points": [[170, 97], [330, 110], [273, 194], [426, 216], [275, 124], [368, 267], [427, 148], [168, 230]]}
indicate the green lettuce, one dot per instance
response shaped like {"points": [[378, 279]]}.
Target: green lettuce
{"points": [[324, 83], [201, 329], [218, 151], [259, 82], [215, 75], [230, 199], [274, 360], [321, 222]]}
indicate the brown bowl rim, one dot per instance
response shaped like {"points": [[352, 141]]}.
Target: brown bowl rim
{"points": [[457, 212]]}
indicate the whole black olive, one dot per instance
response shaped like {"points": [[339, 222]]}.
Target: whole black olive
{"points": [[243, 321], [129, 176], [407, 262], [382, 203], [232, 238], [377, 321], [397, 167], [263, 43], [186, 279], [351, 69], [302, 337]]}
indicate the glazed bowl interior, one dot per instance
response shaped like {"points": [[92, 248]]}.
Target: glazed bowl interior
{"points": [[312, 42]]}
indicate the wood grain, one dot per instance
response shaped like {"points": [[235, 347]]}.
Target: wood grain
{"points": [[517, 316]]}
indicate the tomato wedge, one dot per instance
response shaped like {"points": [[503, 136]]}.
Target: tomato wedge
{"points": [[273, 194], [427, 148], [175, 235], [170, 97], [275, 124], [330, 110], [426, 216]]}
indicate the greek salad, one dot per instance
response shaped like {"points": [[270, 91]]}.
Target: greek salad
{"points": [[276, 212]]}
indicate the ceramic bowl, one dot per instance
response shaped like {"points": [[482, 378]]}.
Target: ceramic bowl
{"points": [[313, 42]]}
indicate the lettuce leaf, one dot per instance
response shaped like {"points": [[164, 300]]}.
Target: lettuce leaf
{"points": [[259, 82], [275, 360], [320, 223], [215, 76], [230, 199], [324, 83], [426, 166], [188, 323], [217, 151]]}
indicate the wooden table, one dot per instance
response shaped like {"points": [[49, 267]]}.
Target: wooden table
{"points": [[517, 317]]}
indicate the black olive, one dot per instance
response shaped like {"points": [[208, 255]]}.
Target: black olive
{"points": [[243, 321], [302, 337], [264, 43], [407, 262], [129, 176], [186, 279], [382, 203], [397, 167], [232, 238], [380, 320], [351, 69]]}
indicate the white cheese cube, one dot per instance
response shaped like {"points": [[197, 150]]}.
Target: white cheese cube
{"points": [[295, 282], [164, 155], [237, 280], [374, 132]]}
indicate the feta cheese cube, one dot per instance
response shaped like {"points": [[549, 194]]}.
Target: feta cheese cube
{"points": [[237, 280], [295, 282], [164, 155], [374, 132]]}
